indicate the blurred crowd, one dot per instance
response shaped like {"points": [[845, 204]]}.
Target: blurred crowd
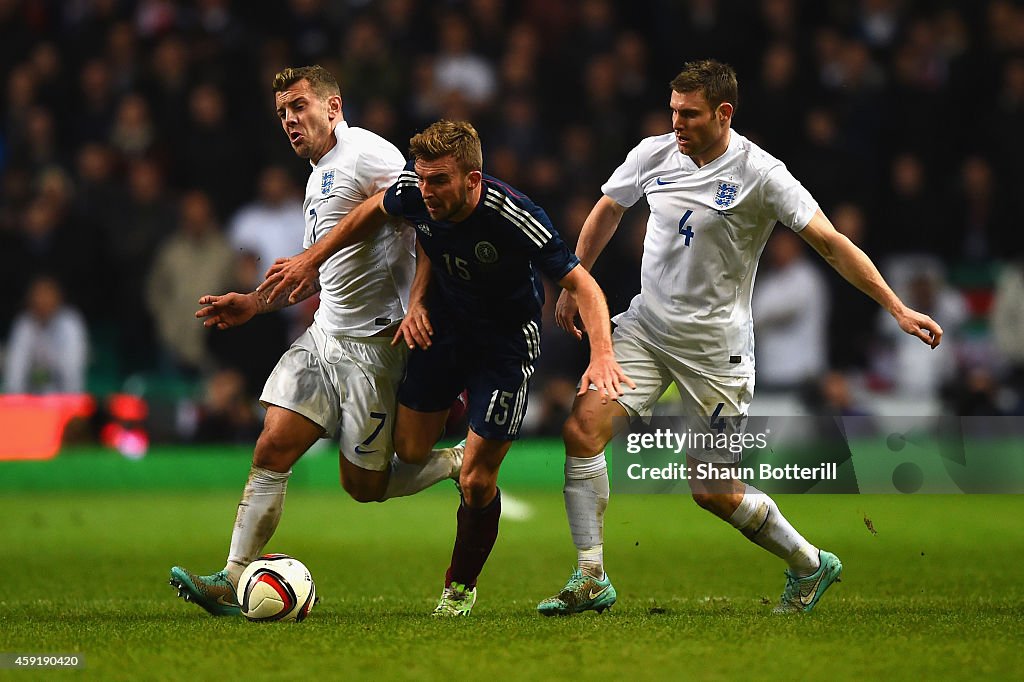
{"points": [[142, 165]]}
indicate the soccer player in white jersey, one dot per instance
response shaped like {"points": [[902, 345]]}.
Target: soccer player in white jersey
{"points": [[714, 198], [340, 378]]}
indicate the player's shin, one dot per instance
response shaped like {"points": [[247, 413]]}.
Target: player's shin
{"points": [[586, 495], [258, 515], [474, 538], [759, 518], [409, 479]]}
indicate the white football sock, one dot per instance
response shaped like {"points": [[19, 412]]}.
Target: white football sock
{"points": [[586, 498], [409, 479], [759, 518], [590, 561], [258, 515]]}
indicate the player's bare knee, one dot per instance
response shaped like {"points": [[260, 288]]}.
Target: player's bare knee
{"points": [[706, 500], [477, 488], [716, 502], [274, 452], [362, 485], [362, 493], [582, 436]]}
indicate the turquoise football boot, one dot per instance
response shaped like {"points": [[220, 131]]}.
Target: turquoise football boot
{"points": [[581, 593], [801, 594], [215, 593]]}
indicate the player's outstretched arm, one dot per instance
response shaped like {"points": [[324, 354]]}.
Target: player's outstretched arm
{"points": [[234, 309], [415, 329], [598, 228], [300, 274], [227, 310], [857, 269], [603, 371]]}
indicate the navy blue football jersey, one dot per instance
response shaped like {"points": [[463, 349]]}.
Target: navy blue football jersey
{"points": [[484, 268]]}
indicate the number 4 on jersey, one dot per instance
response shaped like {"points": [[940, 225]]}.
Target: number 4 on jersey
{"points": [[685, 229]]}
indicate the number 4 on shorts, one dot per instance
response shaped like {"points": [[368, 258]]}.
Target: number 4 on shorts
{"points": [[717, 423]]}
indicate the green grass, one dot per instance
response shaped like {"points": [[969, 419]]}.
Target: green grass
{"points": [[935, 594]]}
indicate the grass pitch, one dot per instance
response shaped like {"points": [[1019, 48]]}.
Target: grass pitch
{"points": [[936, 593]]}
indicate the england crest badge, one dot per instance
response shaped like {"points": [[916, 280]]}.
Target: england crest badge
{"points": [[726, 194], [326, 181]]}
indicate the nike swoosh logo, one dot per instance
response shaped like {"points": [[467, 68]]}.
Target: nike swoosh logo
{"points": [[595, 595], [667, 182], [806, 599], [226, 601], [360, 451]]}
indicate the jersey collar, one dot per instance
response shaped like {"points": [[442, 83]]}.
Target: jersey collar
{"points": [[734, 142]]}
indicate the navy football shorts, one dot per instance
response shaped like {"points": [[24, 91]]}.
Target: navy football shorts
{"points": [[495, 367]]}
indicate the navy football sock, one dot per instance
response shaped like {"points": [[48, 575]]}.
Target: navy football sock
{"points": [[476, 534]]}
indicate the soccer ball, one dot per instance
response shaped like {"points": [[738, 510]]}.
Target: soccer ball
{"points": [[276, 587]]}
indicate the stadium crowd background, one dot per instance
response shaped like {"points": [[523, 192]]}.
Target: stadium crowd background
{"points": [[142, 165]]}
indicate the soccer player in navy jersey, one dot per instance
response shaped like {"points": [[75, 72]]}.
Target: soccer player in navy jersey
{"points": [[473, 319]]}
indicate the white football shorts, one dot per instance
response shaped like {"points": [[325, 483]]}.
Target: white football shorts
{"points": [[704, 397], [347, 386]]}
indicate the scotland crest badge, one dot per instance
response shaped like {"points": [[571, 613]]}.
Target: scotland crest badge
{"points": [[326, 181], [726, 194], [486, 253]]}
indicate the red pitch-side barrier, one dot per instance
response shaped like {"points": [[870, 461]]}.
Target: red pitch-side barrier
{"points": [[32, 426]]}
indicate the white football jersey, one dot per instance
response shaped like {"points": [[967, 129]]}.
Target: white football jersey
{"points": [[705, 235], [364, 287]]}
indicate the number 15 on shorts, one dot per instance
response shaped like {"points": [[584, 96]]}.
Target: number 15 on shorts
{"points": [[498, 408]]}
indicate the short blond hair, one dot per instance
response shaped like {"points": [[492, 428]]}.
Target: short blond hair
{"points": [[457, 139], [320, 80]]}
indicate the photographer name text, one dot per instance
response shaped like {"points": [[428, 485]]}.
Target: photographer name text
{"points": [[705, 471]]}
